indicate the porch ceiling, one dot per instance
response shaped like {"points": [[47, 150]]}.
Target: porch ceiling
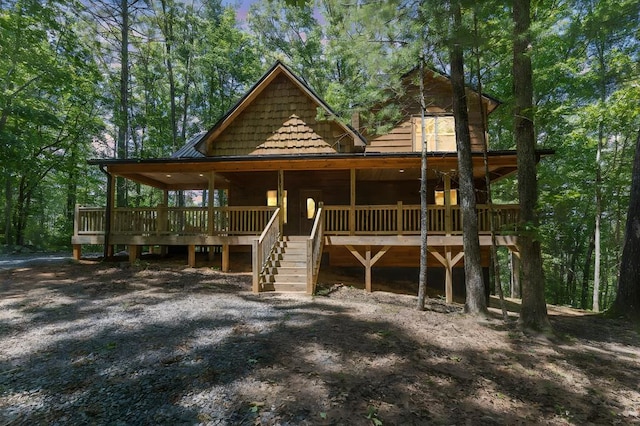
{"points": [[177, 174]]}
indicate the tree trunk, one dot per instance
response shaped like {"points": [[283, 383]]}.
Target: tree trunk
{"points": [[586, 272], [123, 107], [422, 280], [495, 262], [476, 302], [627, 301], [596, 268], [8, 207], [534, 309]]}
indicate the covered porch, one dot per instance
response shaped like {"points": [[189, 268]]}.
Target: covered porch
{"points": [[364, 204]]}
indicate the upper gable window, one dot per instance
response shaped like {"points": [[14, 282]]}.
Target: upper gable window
{"points": [[439, 130]]}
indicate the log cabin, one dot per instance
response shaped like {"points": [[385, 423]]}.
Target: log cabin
{"points": [[306, 191]]}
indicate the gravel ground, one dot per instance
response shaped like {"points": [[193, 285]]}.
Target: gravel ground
{"points": [[100, 343]]}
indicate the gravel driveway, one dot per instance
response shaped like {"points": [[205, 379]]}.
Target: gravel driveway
{"points": [[151, 344]]}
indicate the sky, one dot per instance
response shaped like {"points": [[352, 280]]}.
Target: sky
{"points": [[241, 6]]}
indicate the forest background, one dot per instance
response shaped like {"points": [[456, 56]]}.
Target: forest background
{"points": [[136, 79]]}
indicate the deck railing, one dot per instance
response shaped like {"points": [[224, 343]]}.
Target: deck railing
{"points": [[392, 219], [315, 246], [263, 246], [174, 220], [399, 219], [89, 221]]}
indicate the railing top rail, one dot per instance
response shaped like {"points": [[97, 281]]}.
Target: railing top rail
{"points": [[274, 217], [316, 224]]}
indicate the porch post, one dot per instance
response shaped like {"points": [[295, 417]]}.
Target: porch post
{"points": [[281, 197], [210, 212], [211, 230], [447, 204], [225, 258], [191, 257], [448, 282], [109, 214], [448, 261], [367, 269], [165, 202], [352, 201], [77, 248]]}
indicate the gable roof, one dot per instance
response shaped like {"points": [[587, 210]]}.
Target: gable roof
{"points": [[276, 70], [294, 133], [492, 103]]}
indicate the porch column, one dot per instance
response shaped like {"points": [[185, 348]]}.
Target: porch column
{"points": [[165, 202], [211, 219], [447, 205], [77, 248], [210, 205], [109, 214], [281, 198], [352, 201]]}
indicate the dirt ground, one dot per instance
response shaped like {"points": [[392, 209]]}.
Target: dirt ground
{"points": [[344, 357]]}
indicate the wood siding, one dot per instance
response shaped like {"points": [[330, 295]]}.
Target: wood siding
{"points": [[438, 95], [267, 120]]}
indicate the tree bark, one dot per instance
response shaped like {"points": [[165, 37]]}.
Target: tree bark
{"points": [[476, 302], [585, 273], [627, 301], [422, 280], [123, 105], [533, 314]]}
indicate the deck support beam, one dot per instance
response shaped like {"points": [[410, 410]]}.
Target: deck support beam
{"points": [[134, 252], [77, 251], [225, 258], [191, 257], [368, 262], [514, 261], [448, 261]]}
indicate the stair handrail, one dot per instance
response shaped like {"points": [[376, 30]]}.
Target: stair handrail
{"points": [[315, 246], [263, 247]]}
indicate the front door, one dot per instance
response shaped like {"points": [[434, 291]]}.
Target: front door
{"points": [[309, 199]]}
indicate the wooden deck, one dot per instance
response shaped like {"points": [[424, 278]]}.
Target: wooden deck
{"points": [[367, 232], [181, 225]]}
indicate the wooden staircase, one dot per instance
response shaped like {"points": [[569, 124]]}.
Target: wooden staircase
{"points": [[286, 269]]}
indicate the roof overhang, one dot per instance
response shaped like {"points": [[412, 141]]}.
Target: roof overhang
{"points": [[195, 173]]}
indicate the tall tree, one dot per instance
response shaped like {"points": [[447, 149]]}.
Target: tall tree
{"points": [[533, 313], [627, 302], [476, 300]]}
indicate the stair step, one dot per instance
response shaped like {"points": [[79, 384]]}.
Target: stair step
{"points": [[296, 238], [288, 270], [290, 287], [285, 278], [290, 256]]}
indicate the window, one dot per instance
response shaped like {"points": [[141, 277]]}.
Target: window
{"points": [[311, 208], [440, 133], [453, 195], [272, 201]]}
